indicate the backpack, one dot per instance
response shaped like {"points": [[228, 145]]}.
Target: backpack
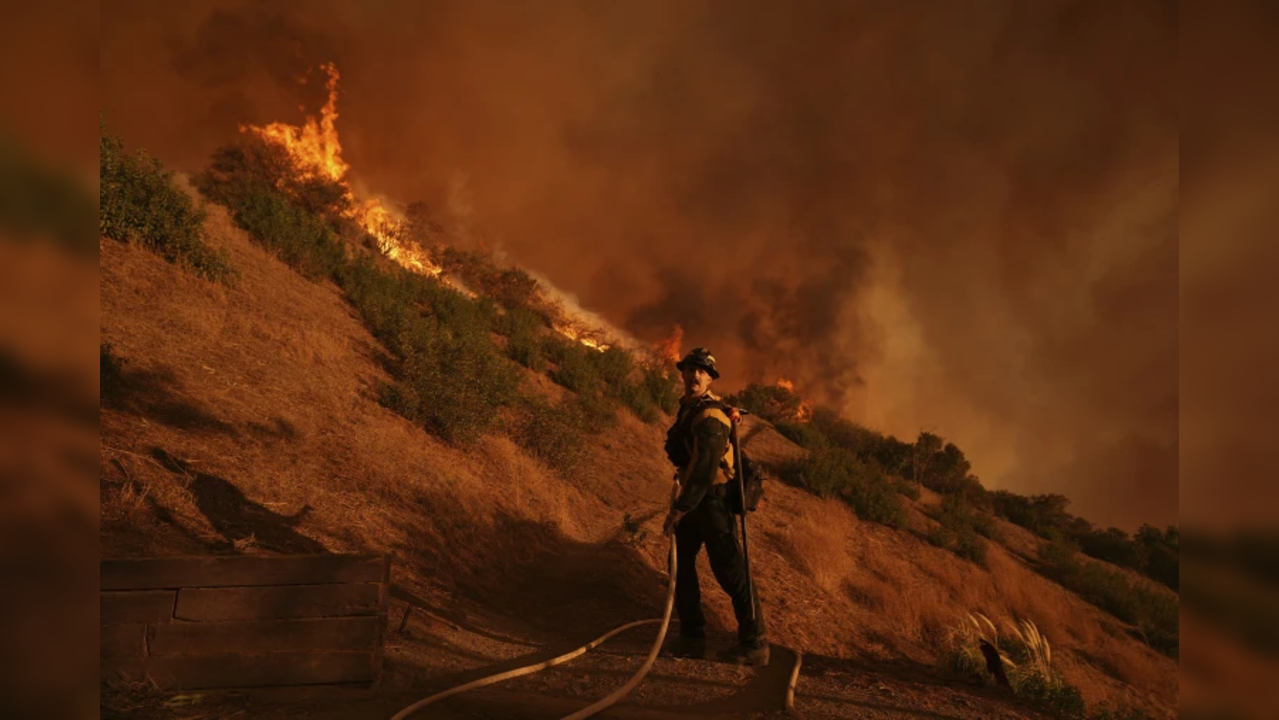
{"points": [[751, 473]]}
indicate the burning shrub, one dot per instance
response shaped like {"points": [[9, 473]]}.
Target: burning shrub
{"points": [[511, 287], [253, 165], [139, 203], [773, 403]]}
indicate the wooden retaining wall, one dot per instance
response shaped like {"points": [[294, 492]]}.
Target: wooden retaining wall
{"points": [[245, 621]]}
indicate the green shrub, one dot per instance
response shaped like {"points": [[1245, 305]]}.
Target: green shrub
{"points": [[906, 487], [523, 329], [303, 240], [1026, 656], [139, 203], [1156, 614], [837, 472], [986, 526], [636, 397], [841, 432], [1152, 552], [941, 536], [521, 321], [551, 433], [1062, 698], [559, 434], [512, 288], [452, 380], [957, 529], [662, 387], [875, 500], [802, 434], [387, 301], [614, 366], [770, 402], [577, 371], [970, 546]]}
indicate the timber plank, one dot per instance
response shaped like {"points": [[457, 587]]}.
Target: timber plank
{"points": [[235, 570], [286, 601], [247, 636], [257, 670], [137, 606], [123, 640]]}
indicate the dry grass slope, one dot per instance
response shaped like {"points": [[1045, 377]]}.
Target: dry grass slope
{"points": [[248, 422]]}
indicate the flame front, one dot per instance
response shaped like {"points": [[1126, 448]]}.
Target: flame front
{"points": [[580, 336], [668, 349], [316, 151], [786, 385]]}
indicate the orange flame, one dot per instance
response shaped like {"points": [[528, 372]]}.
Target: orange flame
{"points": [[316, 151], [668, 349], [580, 336], [805, 411]]}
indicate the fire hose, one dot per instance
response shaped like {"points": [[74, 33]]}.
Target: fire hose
{"points": [[605, 702], [635, 679]]}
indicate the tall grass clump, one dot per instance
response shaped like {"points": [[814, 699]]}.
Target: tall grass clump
{"points": [[574, 366], [1026, 656], [139, 203]]}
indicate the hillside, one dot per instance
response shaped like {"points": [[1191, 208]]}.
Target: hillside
{"points": [[246, 419]]}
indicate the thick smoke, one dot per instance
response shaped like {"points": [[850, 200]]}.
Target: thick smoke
{"points": [[958, 217]]}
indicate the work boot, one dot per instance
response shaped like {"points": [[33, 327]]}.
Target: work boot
{"points": [[739, 654], [689, 648]]}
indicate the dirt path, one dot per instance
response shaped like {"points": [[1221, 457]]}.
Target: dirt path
{"points": [[828, 688]]}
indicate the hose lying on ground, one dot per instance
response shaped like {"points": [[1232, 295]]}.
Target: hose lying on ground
{"points": [[586, 712], [790, 685]]}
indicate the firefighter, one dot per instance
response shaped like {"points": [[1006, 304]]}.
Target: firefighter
{"points": [[698, 445]]}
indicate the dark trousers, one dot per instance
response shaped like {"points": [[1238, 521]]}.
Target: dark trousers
{"points": [[713, 525]]}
